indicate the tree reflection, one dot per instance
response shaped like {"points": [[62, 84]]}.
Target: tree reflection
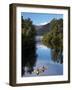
{"points": [[28, 46], [54, 40], [56, 55]]}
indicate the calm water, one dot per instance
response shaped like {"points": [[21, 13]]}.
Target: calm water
{"points": [[43, 53], [44, 60]]}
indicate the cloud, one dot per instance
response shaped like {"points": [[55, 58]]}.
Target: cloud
{"points": [[42, 47], [44, 23]]}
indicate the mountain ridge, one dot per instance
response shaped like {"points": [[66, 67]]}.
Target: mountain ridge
{"points": [[41, 29]]}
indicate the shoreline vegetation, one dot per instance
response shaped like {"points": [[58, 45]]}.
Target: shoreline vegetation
{"points": [[28, 46], [52, 39]]}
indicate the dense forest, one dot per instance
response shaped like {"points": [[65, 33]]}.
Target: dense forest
{"points": [[28, 45], [54, 39]]}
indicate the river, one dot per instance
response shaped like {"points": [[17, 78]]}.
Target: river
{"points": [[44, 60]]}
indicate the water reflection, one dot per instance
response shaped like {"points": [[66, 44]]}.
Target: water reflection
{"points": [[37, 59], [57, 56], [44, 63], [28, 56]]}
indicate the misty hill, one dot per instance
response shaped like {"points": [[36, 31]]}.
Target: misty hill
{"points": [[41, 29]]}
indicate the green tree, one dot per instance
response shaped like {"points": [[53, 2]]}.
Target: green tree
{"points": [[28, 45], [54, 38]]}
